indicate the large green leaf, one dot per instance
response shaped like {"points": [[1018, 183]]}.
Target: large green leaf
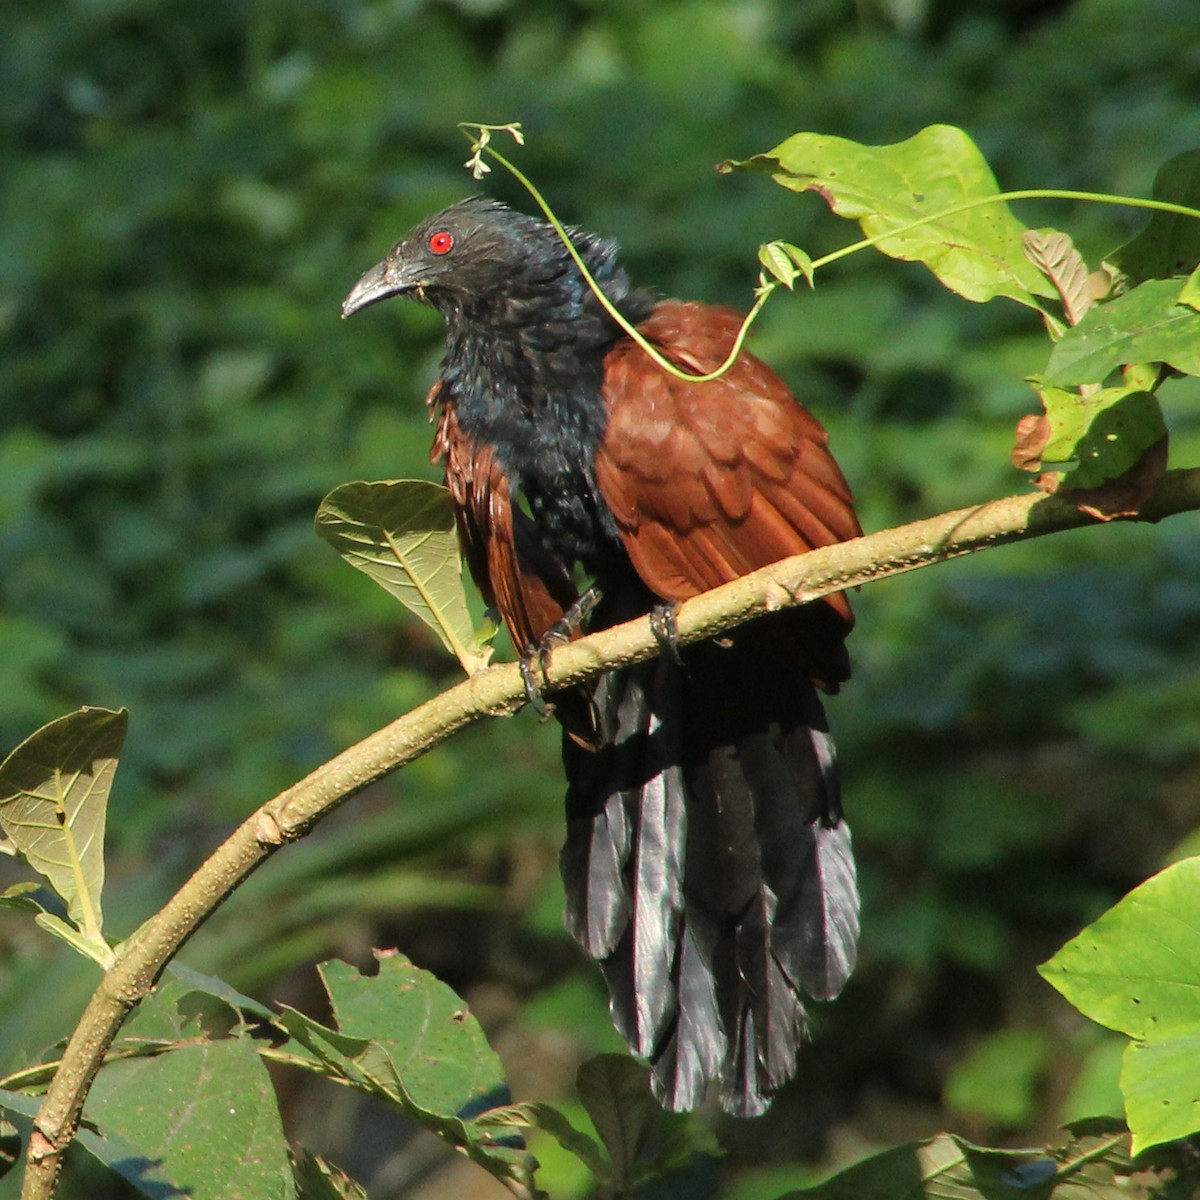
{"points": [[1170, 243], [436, 1045], [1137, 968], [1145, 325], [202, 1118], [401, 533], [407, 1038], [916, 192], [53, 800]]}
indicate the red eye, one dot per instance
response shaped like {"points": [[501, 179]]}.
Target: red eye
{"points": [[441, 242]]}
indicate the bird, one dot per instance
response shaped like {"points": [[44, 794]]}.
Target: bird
{"points": [[707, 864]]}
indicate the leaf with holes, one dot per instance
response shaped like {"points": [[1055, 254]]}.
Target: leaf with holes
{"points": [[1137, 968], [1105, 433], [1160, 1080], [406, 1037], [930, 198], [53, 800], [435, 1043], [401, 533]]}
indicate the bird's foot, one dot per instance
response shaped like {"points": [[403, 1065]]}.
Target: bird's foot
{"points": [[530, 658], [536, 659], [664, 624]]}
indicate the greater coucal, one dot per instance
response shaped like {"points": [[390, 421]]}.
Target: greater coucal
{"points": [[707, 865]]}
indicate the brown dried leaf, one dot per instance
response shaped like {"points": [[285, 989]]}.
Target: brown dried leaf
{"points": [[1054, 254], [1033, 432], [1049, 482]]}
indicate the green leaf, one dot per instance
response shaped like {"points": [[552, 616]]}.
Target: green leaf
{"points": [[1137, 968], [96, 949], [351, 1060], [1105, 433], [202, 1118], [53, 799], [167, 1014], [786, 262], [548, 1119], [220, 990], [1170, 243], [615, 1090], [317, 1179], [1092, 1163], [112, 1152], [402, 534], [405, 1036], [1145, 325], [923, 196], [1161, 1083], [436, 1045], [19, 898], [1190, 293]]}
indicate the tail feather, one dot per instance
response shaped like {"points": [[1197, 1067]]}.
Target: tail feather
{"points": [[622, 862], [658, 889], [693, 1047], [708, 866]]}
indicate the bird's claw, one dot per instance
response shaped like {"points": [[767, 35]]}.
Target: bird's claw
{"points": [[535, 661], [664, 624], [533, 692]]}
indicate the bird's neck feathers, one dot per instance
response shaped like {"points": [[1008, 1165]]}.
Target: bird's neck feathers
{"points": [[525, 356]]}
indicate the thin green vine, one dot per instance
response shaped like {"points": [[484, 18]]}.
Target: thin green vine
{"points": [[480, 139]]}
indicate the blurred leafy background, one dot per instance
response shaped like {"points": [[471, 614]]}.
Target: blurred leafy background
{"points": [[187, 190]]}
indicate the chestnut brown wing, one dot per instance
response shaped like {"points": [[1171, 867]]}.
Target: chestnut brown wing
{"points": [[708, 481]]}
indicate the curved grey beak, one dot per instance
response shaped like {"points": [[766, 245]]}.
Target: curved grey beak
{"points": [[384, 279]]}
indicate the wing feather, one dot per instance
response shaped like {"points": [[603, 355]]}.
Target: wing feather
{"points": [[709, 481], [512, 569]]}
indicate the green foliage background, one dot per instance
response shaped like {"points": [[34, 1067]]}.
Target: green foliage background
{"points": [[186, 192]]}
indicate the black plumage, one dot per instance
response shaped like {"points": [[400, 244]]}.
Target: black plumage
{"points": [[707, 864]]}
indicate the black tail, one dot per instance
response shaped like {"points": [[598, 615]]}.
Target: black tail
{"points": [[707, 864]]}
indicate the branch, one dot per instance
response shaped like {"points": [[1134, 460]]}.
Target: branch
{"points": [[499, 691]]}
